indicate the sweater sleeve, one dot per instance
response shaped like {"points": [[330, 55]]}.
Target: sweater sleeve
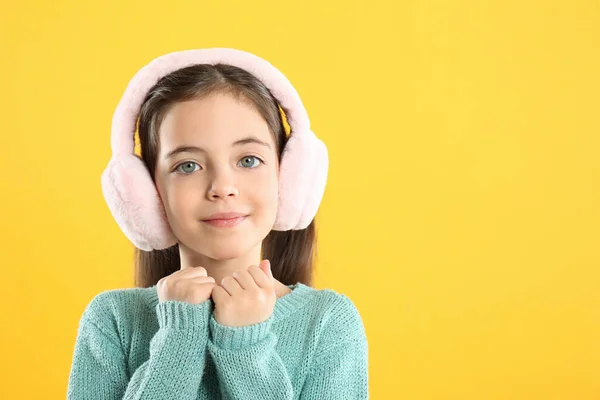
{"points": [[340, 368], [341, 372], [174, 368], [249, 367]]}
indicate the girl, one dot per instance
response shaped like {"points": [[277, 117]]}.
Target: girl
{"points": [[220, 207]]}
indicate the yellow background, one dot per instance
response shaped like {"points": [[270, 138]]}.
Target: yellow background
{"points": [[462, 208]]}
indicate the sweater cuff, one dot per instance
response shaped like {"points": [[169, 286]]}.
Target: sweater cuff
{"points": [[238, 337], [180, 315]]}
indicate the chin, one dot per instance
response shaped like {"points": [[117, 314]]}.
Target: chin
{"points": [[222, 254], [222, 249]]}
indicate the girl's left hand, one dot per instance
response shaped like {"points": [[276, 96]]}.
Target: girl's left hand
{"points": [[246, 298]]}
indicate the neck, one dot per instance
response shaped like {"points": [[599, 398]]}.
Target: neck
{"points": [[219, 268]]}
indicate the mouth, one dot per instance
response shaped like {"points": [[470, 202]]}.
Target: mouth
{"points": [[225, 222]]}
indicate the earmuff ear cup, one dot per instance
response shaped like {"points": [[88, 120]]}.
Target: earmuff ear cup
{"points": [[135, 203], [317, 190], [301, 181]]}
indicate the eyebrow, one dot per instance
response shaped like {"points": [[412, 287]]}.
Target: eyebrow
{"points": [[196, 149]]}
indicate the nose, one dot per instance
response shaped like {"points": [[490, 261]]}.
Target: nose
{"points": [[222, 185]]}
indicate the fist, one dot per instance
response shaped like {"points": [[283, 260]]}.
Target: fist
{"points": [[246, 298], [191, 285]]}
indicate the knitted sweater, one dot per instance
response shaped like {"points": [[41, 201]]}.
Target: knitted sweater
{"points": [[131, 346]]}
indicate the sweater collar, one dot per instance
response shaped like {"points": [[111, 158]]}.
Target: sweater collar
{"points": [[284, 306]]}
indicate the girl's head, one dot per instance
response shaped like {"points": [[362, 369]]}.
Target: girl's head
{"points": [[212, 137]]}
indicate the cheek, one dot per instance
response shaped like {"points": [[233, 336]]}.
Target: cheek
{"points": [[267, 182], [262, 192], [265, 193], [274, 193], [182, 200]]}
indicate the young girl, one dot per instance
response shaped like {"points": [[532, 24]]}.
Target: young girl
{"points": [[221, 207]]}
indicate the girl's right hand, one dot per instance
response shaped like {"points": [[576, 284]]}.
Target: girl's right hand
{"points": [[191, 285]]}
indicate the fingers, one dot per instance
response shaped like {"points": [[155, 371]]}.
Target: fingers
{"points": [[219, 294], [245, 280], [231, 285], [259, 277], [202, 279], [193, 271], [192, 284], [179, 277]]}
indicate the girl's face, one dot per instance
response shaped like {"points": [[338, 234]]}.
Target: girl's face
{"points": [[223, 177]]}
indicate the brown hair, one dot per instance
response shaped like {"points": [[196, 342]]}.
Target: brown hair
{"points": [[291, 253]]}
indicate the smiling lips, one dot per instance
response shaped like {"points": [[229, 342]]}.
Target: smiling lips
{"points": [[225, 220]]}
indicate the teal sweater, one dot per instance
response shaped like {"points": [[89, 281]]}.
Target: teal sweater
{"points": [[131, 346]]}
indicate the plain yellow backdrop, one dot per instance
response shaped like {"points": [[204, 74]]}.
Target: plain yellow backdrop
{"points": [[461, 213]]}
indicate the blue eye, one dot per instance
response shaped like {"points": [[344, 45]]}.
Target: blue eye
{"points": [[188, 167], [186, 164], [252, 157]]}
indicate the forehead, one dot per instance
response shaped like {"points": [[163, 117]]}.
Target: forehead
{"points": [[216, 120]]}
